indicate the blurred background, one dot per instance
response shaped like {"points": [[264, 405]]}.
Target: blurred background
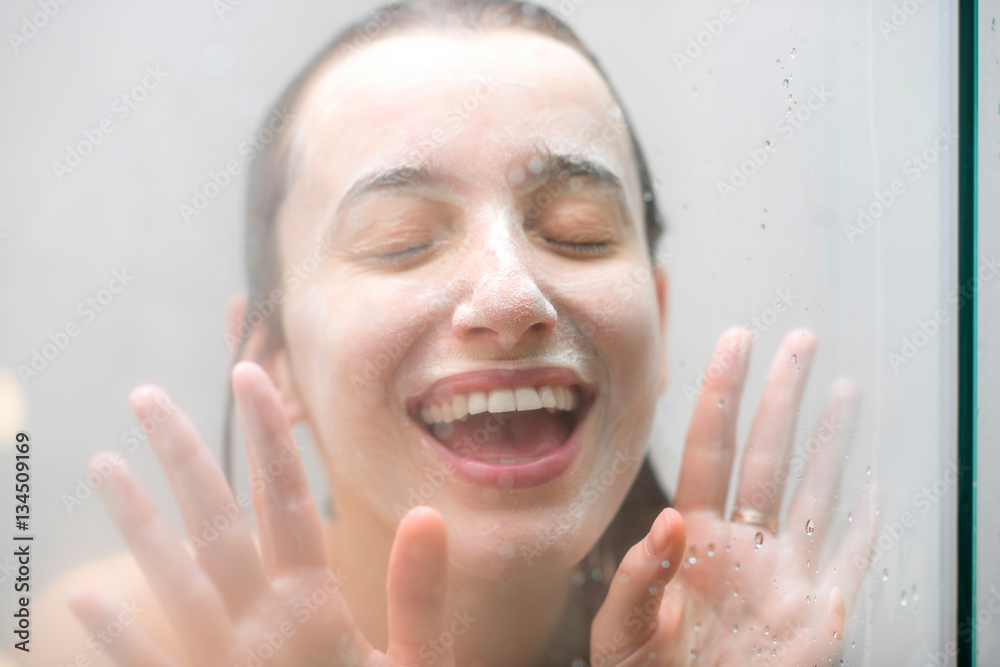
{"points": [[804, 157]]}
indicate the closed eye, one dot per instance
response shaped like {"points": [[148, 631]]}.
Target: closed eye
{"points": [[402, 255], [580, 248]]}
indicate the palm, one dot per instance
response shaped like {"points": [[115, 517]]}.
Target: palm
{"points": [[746, 593], [278, 603]]}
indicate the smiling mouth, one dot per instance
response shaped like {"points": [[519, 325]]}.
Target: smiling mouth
{"points": [[503, 426]]}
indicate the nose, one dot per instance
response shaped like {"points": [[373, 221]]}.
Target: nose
{"points": [[505, 307]]}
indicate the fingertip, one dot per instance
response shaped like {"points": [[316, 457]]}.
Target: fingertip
{"points": [[423, 518], [103, 461]]}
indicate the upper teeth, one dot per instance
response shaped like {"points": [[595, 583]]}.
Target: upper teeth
{"points": [[499, 400]]}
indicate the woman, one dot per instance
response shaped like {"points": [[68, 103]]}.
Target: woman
{"points": [[457, 230]]}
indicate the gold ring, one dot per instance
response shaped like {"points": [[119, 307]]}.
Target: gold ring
{"points": [[755, 517]]}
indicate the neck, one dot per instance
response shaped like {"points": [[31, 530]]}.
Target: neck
{"points": [[503, 622]]}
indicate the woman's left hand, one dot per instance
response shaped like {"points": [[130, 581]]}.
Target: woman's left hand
{"points": [[748, 589]]}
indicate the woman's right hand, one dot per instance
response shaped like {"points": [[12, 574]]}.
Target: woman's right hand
{"points": [[226, 605]]}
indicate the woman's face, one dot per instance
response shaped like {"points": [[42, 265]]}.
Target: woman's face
{"points": [[476, 211]]}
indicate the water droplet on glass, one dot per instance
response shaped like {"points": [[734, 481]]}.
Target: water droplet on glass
{"points": [[693, 655], [885, 574], [868, 471], [711, 549], [774, 653], [767, 629], [810, 527], [852, 644], [694, 92], [835, 634], [720, 403], [736, 593], [737, 566], [665, 563], [777, 62], [784, 83], [758, 539], [807, 599], [767, 143], [792, 53], [850, 516], [808, 564], [762, 226], [697, 628], [902, 599], [596, 575], [647, 196], [735, 629]]}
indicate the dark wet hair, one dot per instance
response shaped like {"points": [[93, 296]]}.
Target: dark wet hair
{"points": [[270, 181]]}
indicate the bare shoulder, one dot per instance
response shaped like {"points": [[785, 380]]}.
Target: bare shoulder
{"points": [[58, 638]]}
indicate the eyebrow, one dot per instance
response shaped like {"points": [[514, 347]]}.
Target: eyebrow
{"points": [[561, 166], [555, 166]]}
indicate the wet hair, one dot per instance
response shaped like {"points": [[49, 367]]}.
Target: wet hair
{"points": [[271, 178]]}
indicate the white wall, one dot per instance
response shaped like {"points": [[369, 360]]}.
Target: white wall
{"points": [[783, 230]]}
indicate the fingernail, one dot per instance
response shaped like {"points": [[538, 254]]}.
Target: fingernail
{"points": [[659, 535]]}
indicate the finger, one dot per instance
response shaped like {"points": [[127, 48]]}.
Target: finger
{"points": [[221, 537], [416, 586], [710, 444], [765, 461], [814, 496], [290, 527], [633, 603], [189, 597], [131, 647], [851, 559]]}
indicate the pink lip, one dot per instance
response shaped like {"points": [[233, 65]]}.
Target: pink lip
{"points": [[522, 475]]}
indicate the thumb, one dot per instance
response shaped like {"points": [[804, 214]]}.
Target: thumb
{"points": [[417, 587], [628, 617]]}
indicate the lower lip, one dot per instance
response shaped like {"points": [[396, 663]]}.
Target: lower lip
{"points": [[522, 475]]}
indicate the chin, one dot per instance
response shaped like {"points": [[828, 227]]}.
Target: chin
{"points": [[519, 547]]}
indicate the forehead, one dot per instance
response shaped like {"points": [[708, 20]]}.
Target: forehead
{"points": [[472, 103]]}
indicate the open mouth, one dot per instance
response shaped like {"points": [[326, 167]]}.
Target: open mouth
{"points": [[518, 435]]}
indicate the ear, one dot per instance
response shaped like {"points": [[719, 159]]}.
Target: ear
{"points": [[275, 363], [662, 283]]}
